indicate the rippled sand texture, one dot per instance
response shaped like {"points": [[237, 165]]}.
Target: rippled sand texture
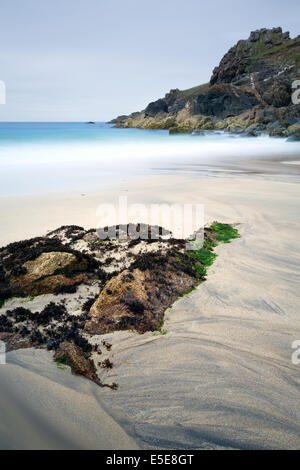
{"points": [[222, 377]]}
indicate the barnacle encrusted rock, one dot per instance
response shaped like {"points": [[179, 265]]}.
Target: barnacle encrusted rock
{"points": [[41, 265], [125, 284], [138, 297]]}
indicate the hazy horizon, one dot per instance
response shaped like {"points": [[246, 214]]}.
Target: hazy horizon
{"points": [[91, 61]]}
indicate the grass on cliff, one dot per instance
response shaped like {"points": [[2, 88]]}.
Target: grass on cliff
{"points": [[205, 256], [289, 49], [193, 92]]}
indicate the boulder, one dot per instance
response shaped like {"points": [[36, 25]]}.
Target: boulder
{"points": [[48, 273], [114, 304], [42, 265], [48, 263], [137, 298]]}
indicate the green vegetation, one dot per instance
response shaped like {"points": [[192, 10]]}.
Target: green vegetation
{"points": [[289, 49], [162, 332], [193, 92], [29, 299], [159, 329], [61, 362], [187, 292], [60, 366], [2, 302], [205, 256], [226, 232]]}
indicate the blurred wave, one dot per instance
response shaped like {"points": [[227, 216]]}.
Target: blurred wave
{"points": [[50, 157]]}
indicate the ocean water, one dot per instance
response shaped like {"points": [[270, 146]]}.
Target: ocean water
{"points": [[40, 158]]}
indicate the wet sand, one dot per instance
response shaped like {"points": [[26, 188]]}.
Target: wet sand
{"points": [[222, 376]]}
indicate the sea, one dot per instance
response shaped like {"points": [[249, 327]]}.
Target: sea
{"points": [[39, 158]]}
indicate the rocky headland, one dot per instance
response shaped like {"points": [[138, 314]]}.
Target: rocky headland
{"points": [[249, 93], [65, 290]]}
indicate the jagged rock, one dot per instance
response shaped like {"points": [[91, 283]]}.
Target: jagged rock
{"points": [[119, 119], [225, 100], [156, 107], [244, 57], [277, 93], [256, 73]]}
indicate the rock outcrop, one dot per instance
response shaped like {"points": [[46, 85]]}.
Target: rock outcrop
{"points": [[124, 284], [137, 299], [254, 76], [41, 266]]}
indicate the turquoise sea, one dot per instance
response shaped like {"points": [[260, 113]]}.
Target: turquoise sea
{"points": [[57, 157]]}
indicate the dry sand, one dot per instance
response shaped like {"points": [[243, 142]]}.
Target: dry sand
{"points": [[222, 376]]}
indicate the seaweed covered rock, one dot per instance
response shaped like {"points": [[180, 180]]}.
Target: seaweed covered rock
{"points": [[42, 265], [71, 354], [49, 273], [127, 284], [15, 341], [138, 297]]}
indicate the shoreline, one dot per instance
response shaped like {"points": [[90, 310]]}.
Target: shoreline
{"points": [[24, 217]]}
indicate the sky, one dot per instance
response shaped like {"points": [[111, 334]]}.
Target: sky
{"points": [[91, 60]]}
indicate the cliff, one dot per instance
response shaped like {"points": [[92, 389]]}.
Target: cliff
{"points": [[249, 91]]}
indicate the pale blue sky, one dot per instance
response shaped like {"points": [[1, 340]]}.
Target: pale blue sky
{"points": [[75, 60]]}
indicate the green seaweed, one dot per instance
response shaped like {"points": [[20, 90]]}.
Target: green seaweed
{"points": [[60, 366], [205, 256], [61, 360], [162, 332], [28, 299], [226, 232]]}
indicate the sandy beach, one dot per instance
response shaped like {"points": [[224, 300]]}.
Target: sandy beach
{"points": [[222, 376], [149, 228]]}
